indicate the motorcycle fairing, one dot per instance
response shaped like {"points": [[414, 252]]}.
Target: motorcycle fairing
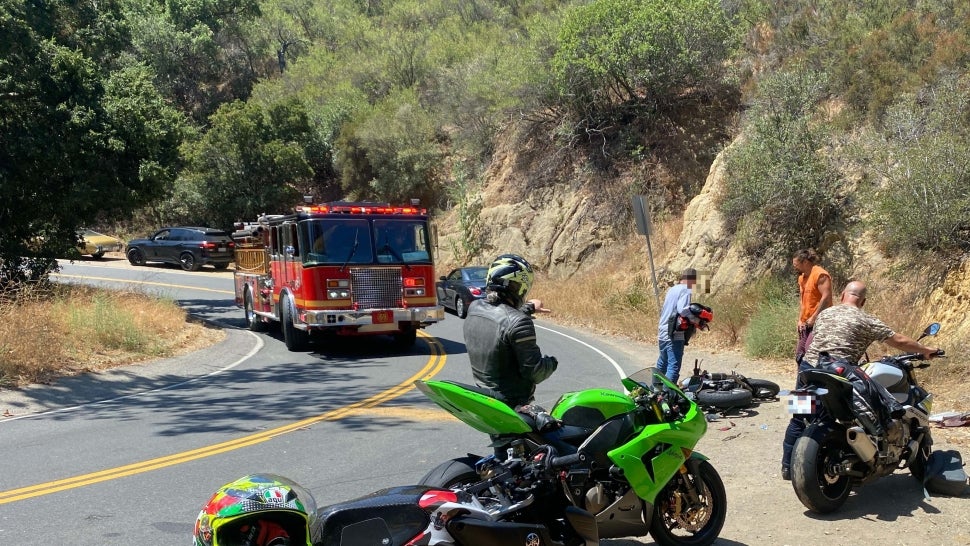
{"points": [[479, 411], [657, 452], [837, 401], [589, 408]]}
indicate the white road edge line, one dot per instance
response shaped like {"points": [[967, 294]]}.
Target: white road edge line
{"points": [[609, 359], [255, 349]]}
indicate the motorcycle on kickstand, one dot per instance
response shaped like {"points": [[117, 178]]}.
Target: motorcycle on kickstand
{"points": [[846, 443], [631, 463]]}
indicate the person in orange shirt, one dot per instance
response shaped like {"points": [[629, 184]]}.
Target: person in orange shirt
{"points": [[815, 292]]}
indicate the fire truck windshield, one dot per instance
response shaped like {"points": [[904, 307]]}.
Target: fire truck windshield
{"points": [[393, 240]]}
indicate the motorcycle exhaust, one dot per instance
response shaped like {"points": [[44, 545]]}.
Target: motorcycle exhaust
{"points": [[863, 446]]}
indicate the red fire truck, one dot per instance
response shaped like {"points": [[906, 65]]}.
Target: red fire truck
{"points": [[338, 268]]}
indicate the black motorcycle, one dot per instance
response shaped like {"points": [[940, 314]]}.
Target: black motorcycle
{"points": [[723, 392], [849, 440]]}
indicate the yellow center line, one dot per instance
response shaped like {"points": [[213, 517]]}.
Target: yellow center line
{"points": [[430, 369], [152, 283]]}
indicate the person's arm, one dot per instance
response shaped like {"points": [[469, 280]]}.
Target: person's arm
{"points": [[824, 286], [532, 364], [910, 345]]}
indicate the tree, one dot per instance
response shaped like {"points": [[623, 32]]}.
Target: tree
{"points": [[78, 142]]}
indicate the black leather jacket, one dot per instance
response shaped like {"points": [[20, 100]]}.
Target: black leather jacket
{"points": [[501, 344]]}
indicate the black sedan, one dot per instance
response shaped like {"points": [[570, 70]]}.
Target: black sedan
{"points": [[188, 247], [461, 287]]}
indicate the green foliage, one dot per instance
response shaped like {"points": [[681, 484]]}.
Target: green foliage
{"points": [[469, 205], [770, 332], [78, 142], [781, 192], [921, 151], [391, 152], [251, 161], [639, 51]]}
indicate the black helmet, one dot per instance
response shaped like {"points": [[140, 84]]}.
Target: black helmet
{"points": [[511, 276]]}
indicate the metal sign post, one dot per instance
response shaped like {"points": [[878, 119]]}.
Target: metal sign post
{"points": [[641, 212]]}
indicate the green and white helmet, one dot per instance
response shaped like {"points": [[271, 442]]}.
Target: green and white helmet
{"points": [[511, 276]]}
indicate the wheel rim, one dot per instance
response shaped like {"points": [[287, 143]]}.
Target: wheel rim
{"points": [[830, 484], [188, 261], [250, 314], [459, 307]]}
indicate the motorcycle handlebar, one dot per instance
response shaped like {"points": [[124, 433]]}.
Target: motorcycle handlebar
{"points": [[566, 460]]}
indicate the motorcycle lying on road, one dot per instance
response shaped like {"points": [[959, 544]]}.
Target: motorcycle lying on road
{"points": [[724, 392], [844, 444], [516, 505], [631, 463]]}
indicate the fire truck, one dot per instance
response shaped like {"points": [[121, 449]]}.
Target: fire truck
{"points": [[338, 269]]}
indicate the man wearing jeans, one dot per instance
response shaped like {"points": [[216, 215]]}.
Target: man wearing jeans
{"points": [[670, 338]]}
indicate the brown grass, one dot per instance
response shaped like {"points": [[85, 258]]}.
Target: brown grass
{"points": [[50, 331]]}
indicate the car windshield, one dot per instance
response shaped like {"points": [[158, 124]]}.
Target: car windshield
{"points": [[477, 274]]}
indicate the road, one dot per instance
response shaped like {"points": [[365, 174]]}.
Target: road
{"points": [[130, 456]]}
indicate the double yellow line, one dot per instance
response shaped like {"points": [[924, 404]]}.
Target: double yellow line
{"points": [[433, 366]]}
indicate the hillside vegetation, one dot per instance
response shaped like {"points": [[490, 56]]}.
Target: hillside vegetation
{"points": [[837, 122]]}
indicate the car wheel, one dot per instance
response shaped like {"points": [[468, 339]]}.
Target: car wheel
{"points": [[220, 266], [460, 308], [188, 262], [98, 255], [136, 256]]}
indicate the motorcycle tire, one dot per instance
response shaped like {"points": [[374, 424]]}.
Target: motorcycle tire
{"points": [[725, 400], [695, 526], [453, 473], [763, 389], [819, 449], [918, 468]]}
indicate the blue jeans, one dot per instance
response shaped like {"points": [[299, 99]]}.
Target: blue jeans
{"points": [[671, 356]]}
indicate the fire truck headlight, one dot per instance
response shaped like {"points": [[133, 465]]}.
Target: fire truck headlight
{"points": [[338, 294], [413, 292]]}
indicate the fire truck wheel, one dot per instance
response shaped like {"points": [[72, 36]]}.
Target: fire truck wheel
{"points": [[295, 339], [253, 321], [405, 339]]}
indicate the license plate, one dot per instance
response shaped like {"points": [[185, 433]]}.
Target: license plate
{"points": [[382, 317], [801, 404], [222, 249]]}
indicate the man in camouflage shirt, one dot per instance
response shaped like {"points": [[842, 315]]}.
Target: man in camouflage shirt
{"points": [[844, 332]]}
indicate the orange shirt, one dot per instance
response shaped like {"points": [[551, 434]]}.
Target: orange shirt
{"points": [[810, 294]]}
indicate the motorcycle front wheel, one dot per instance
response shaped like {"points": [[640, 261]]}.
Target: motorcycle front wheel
{"points": [[692, 508], [815, 456]]}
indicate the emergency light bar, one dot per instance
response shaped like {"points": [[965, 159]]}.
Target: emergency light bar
{"points": [[359, 209]]}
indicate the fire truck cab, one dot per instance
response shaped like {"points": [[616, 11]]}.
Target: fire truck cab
{"points": [[340, 269]]}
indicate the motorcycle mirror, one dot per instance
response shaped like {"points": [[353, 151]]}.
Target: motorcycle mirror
{"points": [[930, 330]]}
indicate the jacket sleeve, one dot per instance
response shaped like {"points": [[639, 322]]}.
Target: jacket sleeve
{"points": [[532, 364]]}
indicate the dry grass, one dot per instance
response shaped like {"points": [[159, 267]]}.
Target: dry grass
{"points": [[49, 331]]}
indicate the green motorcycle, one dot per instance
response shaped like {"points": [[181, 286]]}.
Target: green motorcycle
{"points": [[635, 469]]}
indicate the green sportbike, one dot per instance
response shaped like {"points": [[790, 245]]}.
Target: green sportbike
{"points": [[632, 463]]}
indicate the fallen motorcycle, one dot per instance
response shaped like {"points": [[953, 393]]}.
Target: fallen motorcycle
{"points": [[507, 508], [632, 461], [846, 444], [727, 391]]}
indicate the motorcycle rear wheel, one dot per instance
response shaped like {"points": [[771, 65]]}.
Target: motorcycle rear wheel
{"points": [[695, 525], [453, 473], [815, 452], [763, 389]]}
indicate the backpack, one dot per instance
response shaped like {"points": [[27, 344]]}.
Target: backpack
{"points": [[944, 474]]}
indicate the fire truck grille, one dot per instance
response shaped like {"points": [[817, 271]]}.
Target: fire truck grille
{"points": [[376, 288]]}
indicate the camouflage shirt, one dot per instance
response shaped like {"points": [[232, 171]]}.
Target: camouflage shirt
{"points": [[845, 331]]}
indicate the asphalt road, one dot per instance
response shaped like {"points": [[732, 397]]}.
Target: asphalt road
{"points": [[129, 457]]}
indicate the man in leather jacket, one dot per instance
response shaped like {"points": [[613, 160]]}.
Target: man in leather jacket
{"points": [[500, 334]]}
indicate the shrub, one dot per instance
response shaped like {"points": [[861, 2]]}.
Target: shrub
{"points": [[770, 332]]}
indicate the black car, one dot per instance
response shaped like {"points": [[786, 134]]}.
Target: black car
{"points": [[461, 287], [189, 247]]}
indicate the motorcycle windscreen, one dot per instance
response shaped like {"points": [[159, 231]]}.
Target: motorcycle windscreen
{"points": [[482, 413]]}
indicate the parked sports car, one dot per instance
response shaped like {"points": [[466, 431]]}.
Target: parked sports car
{"points": [[96, 244], [461, 287]]}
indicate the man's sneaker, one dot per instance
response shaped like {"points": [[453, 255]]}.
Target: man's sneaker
{"points": [[786, 473]]}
